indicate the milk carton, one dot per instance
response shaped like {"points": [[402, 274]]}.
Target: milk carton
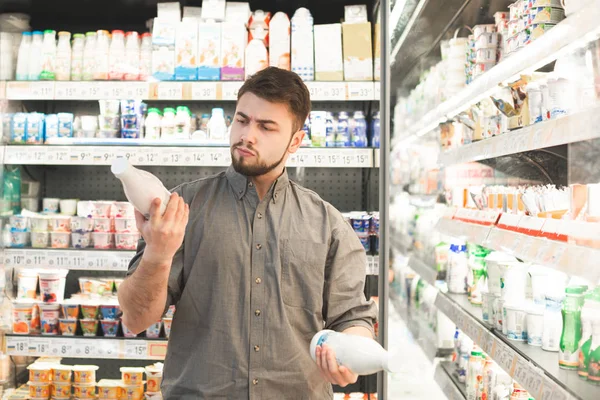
{"points": [[302, 45], [257, 57], [209, 51], [186, 50], [192, 12], [329, 64], [163, 63], [164, 32], [279, 41], [358, 51], [233, 46], [213, 10]]}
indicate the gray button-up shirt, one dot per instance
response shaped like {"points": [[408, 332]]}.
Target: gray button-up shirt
{"points": [[253, 282]]}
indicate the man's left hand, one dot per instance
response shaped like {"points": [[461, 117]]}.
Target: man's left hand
{"points": [[331, 371]]}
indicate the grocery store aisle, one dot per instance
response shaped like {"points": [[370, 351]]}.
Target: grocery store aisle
{"points": [[415, 379]]}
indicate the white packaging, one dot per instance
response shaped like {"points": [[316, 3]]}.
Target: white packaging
{"points": [[22, 72], [146, 57], [355, 14], [89, 57], [116, 56], [163, 63], [35, 56], [516, 323], [101, 55], [213, 10], [164, 32], [237, 12], [535, 326], [257, 57], [132, 56], [48, 71], [209, 51], [279, 41], [77, 57], [169, 11], [303, 45], [234, 38], [329, 63], [192, 12], [186, 50], [63, 57]]}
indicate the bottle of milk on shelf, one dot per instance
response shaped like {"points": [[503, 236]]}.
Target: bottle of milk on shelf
{"points": [[140, 187], [361, 355], [23, 57], [89, 57], [146, 57], [77, 56], [101, 55], [217, 130], [132, 55], [48, 72], [63, 57], [153, 122], [116, 56], [35, 56]]}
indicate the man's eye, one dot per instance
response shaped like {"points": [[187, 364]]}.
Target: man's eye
{"points": [[241, 121]]}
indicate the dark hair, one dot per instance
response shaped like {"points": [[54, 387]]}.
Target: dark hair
{"points": [[283, 87]]}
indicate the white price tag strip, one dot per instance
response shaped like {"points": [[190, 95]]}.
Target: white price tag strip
{"points": [[327, 91], [25, 155], [136, 349], [229, 90], [204, 91], [137, 90], [67, 91], [39, 347], [333, 158], [114, 260], [17, 346], [170, 91], [361, 91]]}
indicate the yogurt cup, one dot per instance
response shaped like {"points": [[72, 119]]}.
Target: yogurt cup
{"points": [[85, 209], [49, 315], [102, 240], [110, 311], [60, 240], [40, 372], [365, 240], [89, 326], [167, 324], [516, 323], [107, 134], [39, 390], [544, 15], [27, 281], [126, 241], [40, 224], [19, 223], [101, 209], [84, 391], [61, 390], [110, 327], [40, 240], [50, 205], [68, 327], [22, 317], [81, 240], [132, 392], [110, 122], [52, 285], [70, 310], [62, 373], [361, 223], [535, 326], [132, 376], [95, 286], [82, 224], [125, 225], [102, 225], [85, 374], [68, 207], [153, 378], [19, 239], [126, 332], [109, 389], [153, 396], [60, 223], [153, 331], [123, 209]]}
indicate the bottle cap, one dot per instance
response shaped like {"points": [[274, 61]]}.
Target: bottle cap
{"points": [[146, 34], [26, 33], [580, 289], [78, 35], [169, 110], [64, 33], [118, 32], [154, 110], [49, 32], [90, 34]]}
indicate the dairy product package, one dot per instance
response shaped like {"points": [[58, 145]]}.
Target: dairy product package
{"points": [[213, 10], [279, 41], [164, 32], [65, 125], [329, 65], [35, 128], [233, 46], [236, 11], [358, 51], [302, 45], [186, 50], [257, 57], [51, 128], [192, 12], [163, 63], [209, 51], [18, 128], [169, 11], [355, 14]]}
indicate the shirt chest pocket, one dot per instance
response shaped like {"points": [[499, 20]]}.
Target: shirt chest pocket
{"points": [[303, 273]]}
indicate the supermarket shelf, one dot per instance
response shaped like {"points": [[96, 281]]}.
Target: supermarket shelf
{"points": [[574, 128], [564, 37], [175, 156], [446, 378], [568, 258], [90, 347], [400, 243], [175, 91], [74, 259], [424, 270], [536, 370]]}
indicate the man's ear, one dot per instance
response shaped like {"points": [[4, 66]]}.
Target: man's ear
{"points": [[296, 141]]}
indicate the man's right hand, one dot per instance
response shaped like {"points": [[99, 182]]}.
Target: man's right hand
{"points": [[163, 234]]}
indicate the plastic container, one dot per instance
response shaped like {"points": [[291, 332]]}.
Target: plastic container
{"points": [[125, 225], [110, 327], [39, 390], [85, 390], [48, 72], [568, 357], [127, 332], [167, 324], [62, 373], [70, 310], [49, 315], [133, 392], [67, 327], [102, 225], [60, 223], [126, 241], [40, 224], [22, 72], [535, 325], [61, 390], [167, 127], [110, 312], [153, 331], [153, 124], [35, 56], [101, 55], [40, 240], [108, 389], [90, 311], [125, 210], [94, 286], [27, 284], [217, 130], [101, 209], [102, 240], [132, 375], [116, 56], [516, 323], [84, 374], [89, 326], [77, 56], [81, 240], [19, 223], [153, 378], [19, 239], [60, 240], [89, 58], [52, 285], [68, 207], [22, 317], [63, 57], [40, 372]]}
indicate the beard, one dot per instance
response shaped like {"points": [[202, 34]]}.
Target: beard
{"points": [[241, 165]]}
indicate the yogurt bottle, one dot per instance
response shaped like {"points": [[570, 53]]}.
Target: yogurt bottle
{"points": [[77, 56], [153, 124], [375, 130], [146, 57], [116, 56], [359, 130], [23, 57], [132, 56], [217, 130], [35, 56], [63, 57], [89, 57], [48, 72], [342, 134], [101, 55], [167, 126], [329, 130]]}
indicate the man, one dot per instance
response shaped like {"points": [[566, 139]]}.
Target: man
{"points": [[255, 264]]}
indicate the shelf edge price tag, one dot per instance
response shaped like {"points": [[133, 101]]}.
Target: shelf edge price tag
{"points": [[361, 91], [67, 91], [137, 90], [63, 348], [136, 349], [204, 91], [39, 346], [230, 90], [17, 346], [85, 348], [42, 90], [170, 91]]}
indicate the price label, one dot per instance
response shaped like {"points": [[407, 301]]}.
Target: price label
{"points": [[137, 90], [230, 90], [533, 381], [204, 91], [81, 156], [85, 348], [172, 156], [36, 258], [67, 91], [14, 257], [61, 348], [136, 349], [170, 91], [59, 259], [521, 372], [39, 346], [149, 156], [107, 349], [547, 390], [218, 157], [42, 90], [504, 357], [113, 90], [104, 155], [195, 156], [98, 261], [316, 90], [17, 346], [361, 91], [558, 253], [89, 90], [57, 155], [122, 260], [487, 343]]}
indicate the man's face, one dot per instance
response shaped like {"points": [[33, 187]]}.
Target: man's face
{"points": [[261, 136]]}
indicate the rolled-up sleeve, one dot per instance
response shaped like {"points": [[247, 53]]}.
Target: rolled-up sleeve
{"points": [[344, 302]]}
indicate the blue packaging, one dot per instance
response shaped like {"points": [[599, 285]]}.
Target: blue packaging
{"points": [[359, 130], [130, 121], [365, 240], [130, 133], [375, 130], [361, 223], [6, 124], [65, 125], [35, 128], [18, 128], [342, 134], [329, 131], [51, 127], [208, 73], [186, 74]]}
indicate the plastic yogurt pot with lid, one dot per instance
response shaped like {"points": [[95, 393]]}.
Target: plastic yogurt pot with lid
{"points": [[52, 285], [40, 372], [62, 373], [84, 374], [132, 375]]}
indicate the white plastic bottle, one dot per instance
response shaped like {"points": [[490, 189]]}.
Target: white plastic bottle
{"points": [[167, 126], [153, 123], [48, 72], [217, 129], [140, 187], [35, 56], [132, 56], [89, 57], [458, 267], [101, 55], [146, 57], [63, 57], [361, 355], [77, 57], [23, 57], [116, 56]]}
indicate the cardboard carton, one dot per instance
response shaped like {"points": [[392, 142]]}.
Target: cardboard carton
{"points": [[329, 64], [358, 52], [209, 51]]}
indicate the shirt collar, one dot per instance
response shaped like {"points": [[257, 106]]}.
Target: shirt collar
{"points": [[240, 184]]}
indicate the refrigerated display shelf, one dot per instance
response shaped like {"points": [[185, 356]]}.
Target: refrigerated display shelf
{"points": [[445, 376], [569, 34], [175, 91], [400, 243], [86, 347], [573, 128], [72, 259], [181, 156], [568, 258], [424, 270]]}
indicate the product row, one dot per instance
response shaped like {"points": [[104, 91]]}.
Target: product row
{"points": [[232, 45], [366, 227], [48, 378]]}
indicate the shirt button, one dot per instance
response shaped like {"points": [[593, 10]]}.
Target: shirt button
{"points": [[258, 281], [259, 215], [255, 381], [258, 246], [257, 313], [257, 348]]}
